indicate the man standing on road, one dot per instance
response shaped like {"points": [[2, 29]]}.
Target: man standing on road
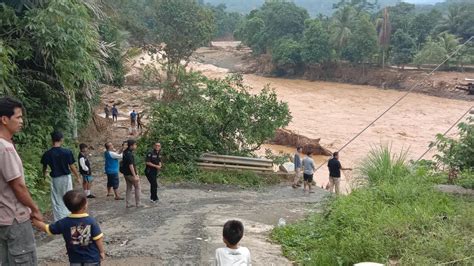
{"points": [[335, 168], [17, 241], [107, 111], [153, 166], [112, 169], [61, 162], [114, 113], [130, 173], [297, 162], [308, 171]]}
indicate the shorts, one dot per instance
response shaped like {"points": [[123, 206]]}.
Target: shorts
{"points": [[113, 181], [84, 264], [17, 244], [87, 178], [308, 177]]}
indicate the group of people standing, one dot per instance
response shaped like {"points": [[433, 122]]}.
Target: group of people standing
{"points": [[135, 118], [82, 233], [307, 168]]}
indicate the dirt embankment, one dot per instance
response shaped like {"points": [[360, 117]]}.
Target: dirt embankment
{"points": [[237, 58]]}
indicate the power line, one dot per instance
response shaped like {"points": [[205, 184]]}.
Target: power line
{"points": [[446, 132], [399, 100]]}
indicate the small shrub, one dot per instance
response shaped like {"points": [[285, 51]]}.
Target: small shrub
{"points": [[380, 165]]}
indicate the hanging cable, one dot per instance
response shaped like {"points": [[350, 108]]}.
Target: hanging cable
{"points": [[446, 132], [399, 100]]}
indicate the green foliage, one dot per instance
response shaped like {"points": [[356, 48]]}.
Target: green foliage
{"points": [[466, 179], [286, 52], [403, 48], [423, 24], [316, 43], [111, 33], [401, 218], [341, 27], [226, 22], [185, 173], [431, 53], [278, 159], [183, 26], [273, 21], [459, 20], [51, 59], [362, 44], [457, 154], [381, 165], [225, 117]]}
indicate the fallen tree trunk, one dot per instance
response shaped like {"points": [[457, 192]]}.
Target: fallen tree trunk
{"points": [[289, 138]]}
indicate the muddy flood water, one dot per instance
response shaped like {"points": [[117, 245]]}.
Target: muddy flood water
{"points": [[335, 112]]}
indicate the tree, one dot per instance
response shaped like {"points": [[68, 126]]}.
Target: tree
{"points": [[457, 154], [423, 25], [184, 26], [341, 27], [273, 21], [55, 46], [384, 29], [401, 16], [436, 52], [286, 53], [358, 5], [404, 48], [316, 46], [431, 53], [226, 119], [459, 20], [362, 44], [226, 22]]}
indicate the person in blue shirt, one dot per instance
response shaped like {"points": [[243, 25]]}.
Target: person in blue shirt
{"points": [[82, 234], [61, 162], [111, 168]]}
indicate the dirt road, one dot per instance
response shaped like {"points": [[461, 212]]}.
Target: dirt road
{"points": [[185, 227]]}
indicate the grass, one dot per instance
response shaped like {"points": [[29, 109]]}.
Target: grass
{"points": [[397, 216], [188, 173], [465, 179]]}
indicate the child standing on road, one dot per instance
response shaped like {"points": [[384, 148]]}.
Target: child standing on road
{"points": [[82, 234], [233, 254], [85, 170]]}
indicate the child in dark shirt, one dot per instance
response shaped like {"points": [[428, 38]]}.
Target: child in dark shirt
{"points": [[82, 234]]}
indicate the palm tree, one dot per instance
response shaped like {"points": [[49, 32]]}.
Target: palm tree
{"points": [[451, 20], [384, 29], [341, 27]]}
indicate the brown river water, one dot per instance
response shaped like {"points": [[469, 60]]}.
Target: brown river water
{"points": [[335, 112]]}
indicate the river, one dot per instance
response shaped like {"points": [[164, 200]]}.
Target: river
{"points": [[336, 112]]}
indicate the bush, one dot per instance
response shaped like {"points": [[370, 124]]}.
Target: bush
{"points": [[381, 165], [401, 218], [457, 154], [176, 173], [214, 115]]}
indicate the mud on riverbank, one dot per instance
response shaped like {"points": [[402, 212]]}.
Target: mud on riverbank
{"points": [[231, 56]]}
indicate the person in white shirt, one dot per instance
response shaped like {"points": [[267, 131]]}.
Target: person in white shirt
{"points": [[233, 254]]}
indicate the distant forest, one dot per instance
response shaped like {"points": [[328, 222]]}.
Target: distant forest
{"points": [[316, 7]]}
